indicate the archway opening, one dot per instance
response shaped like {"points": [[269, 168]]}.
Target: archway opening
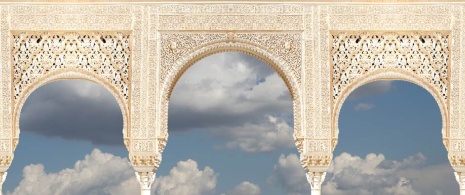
{"points": [[230, 120], [390, 142], [71, 142]]}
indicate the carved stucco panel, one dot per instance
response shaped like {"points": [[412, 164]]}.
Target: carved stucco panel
{"points": [[225, 9], [70, 17], [389, 17], [231, 22], [5, 78]]}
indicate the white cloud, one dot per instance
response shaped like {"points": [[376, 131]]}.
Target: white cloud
{"points": [[245, 188], [98, 173], [352, 175], [363, 107], [223, 84], [233, 96], [290, 175], [102, 173], [187, 179], [265, 137]]}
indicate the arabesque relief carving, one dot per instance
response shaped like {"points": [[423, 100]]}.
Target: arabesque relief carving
{"points": [[37, 54], [323, 51]]}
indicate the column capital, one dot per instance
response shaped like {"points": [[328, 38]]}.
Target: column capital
{"points": [[316, 179], [315, 163], [145, 179], [145, 163]]}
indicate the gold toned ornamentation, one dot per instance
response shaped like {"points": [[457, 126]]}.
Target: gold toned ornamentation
{"points": [[5, 160], [149, 161], [312, 161], [457, 160]]}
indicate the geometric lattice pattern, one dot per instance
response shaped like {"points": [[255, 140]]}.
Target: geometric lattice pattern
{"points": [[323, 51], [104, 54], [425, 55]]}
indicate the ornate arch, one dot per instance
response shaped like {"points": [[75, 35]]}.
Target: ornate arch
{"points": [[70, 73], [42, 57], [280, 50], [421, 58], [392, 74]]}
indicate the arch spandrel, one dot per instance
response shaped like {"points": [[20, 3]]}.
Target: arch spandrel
{"points": [[42, 57], [282, 51], [422, 58]]}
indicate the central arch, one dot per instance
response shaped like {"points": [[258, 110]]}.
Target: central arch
{"points": [[280, 65]]}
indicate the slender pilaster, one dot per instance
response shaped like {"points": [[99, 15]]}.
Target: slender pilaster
{"points": [[316, 179], [145, 180], [460, 177], [3, 177]]}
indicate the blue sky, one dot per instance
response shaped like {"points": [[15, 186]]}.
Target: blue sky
{"points": [[230, 125]]}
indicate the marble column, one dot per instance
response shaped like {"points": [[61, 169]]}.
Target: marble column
{"points": [[145, 180], [316, 179], [460, 177], [3, 177]]}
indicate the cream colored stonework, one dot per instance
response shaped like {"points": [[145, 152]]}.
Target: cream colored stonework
{"points": [[323, 51]]}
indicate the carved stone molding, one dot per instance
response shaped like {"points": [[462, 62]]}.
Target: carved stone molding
{"points": [[146, 161], [145, 180], [5, 161], [316, 179], [312, 163]]}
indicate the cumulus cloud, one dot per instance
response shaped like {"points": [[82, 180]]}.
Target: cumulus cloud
{"points": [[353, 175], [373, 88], [363, 107], [232, 95], [245, 188], [187, 179], [102, 173], [270, 135], [224, 90], [76, 110], [98, 173], [289, 174]]}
